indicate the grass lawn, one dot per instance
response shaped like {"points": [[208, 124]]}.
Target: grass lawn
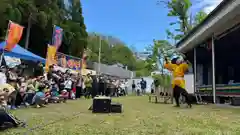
{"points": [[139, 118]]}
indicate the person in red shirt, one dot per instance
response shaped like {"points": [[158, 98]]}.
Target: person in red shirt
{"points": [[64, 95]]}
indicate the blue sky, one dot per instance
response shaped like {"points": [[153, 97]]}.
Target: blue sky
{"points": [[135, 22]]}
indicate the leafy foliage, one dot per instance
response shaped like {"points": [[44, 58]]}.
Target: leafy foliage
{"points": [[113, 51], [162, 80], [199, 17], [161, 49], [43, 15], [180, 9]]}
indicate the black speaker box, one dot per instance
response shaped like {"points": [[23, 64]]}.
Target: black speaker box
{"points": [[235, 101], [116, 108], [101, 105]]}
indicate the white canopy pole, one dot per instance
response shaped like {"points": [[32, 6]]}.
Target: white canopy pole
{"points": [[213, 71], [195, 68]]}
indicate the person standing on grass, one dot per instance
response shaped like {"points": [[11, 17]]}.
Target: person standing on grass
{"points": [[152, 88], [101, 84], [178, 68], [94, 86], [138, 89], [88, 85], [79, 86], [143, 84], [133, 87], [126, 86], [68, 86]]}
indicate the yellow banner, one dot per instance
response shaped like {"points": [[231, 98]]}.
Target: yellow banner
{"points": [[84, 60], [51, 56]]}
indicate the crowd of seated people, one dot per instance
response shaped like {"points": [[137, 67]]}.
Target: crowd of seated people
{"points": [[55, 86], [17, 90]]}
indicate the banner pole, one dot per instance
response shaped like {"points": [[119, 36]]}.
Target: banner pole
{"points": [[1, 57], [53, 34], [28, 31], [6, 37], [46, 64]]}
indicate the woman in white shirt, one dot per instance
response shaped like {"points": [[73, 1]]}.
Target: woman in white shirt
{"points": [[3, 78], [68, 86]]}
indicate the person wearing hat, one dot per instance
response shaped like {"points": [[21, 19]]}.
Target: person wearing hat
{"points": [[64, 95], [178, 67]]}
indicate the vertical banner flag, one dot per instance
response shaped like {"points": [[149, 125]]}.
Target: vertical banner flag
{"points": [[14, 35], [84, 60], [51, 56], [84, 63], [57, 36]]}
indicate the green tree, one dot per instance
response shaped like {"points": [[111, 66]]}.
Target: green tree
{"points": [[113, 51], [79, 42], [122, 54], [160, 49], [43, 15], [140, 68], [180, 10], [93, 46], [15, 10], [199, 17], [162, 80]]}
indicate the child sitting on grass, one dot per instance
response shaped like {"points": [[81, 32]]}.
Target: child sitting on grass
{"points": [[64, 95], [40, 98], [54, 94], [47, 93]]}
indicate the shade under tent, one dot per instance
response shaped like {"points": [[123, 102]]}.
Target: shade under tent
{"points": [[22, 53]]}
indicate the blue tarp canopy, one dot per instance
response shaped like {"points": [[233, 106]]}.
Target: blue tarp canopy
{"points": [[21, 53]]}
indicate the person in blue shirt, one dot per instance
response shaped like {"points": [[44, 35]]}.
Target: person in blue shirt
{"points": [[54, 93], [40, 98]]}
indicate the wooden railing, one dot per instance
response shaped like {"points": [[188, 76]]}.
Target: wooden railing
{"points": [[162, 95]]}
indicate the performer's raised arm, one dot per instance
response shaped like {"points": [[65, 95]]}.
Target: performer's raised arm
{"points": [[184, 65], [168, 65]]}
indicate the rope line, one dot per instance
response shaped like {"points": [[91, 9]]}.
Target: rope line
{"points": [[41, 126]]}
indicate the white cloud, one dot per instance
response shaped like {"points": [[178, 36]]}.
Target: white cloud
{"points": [[210, 5]]}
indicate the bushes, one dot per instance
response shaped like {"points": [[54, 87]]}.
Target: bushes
{"points": [[162, 80]]}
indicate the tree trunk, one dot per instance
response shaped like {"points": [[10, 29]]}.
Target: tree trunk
{"points": [[162, 68]]}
